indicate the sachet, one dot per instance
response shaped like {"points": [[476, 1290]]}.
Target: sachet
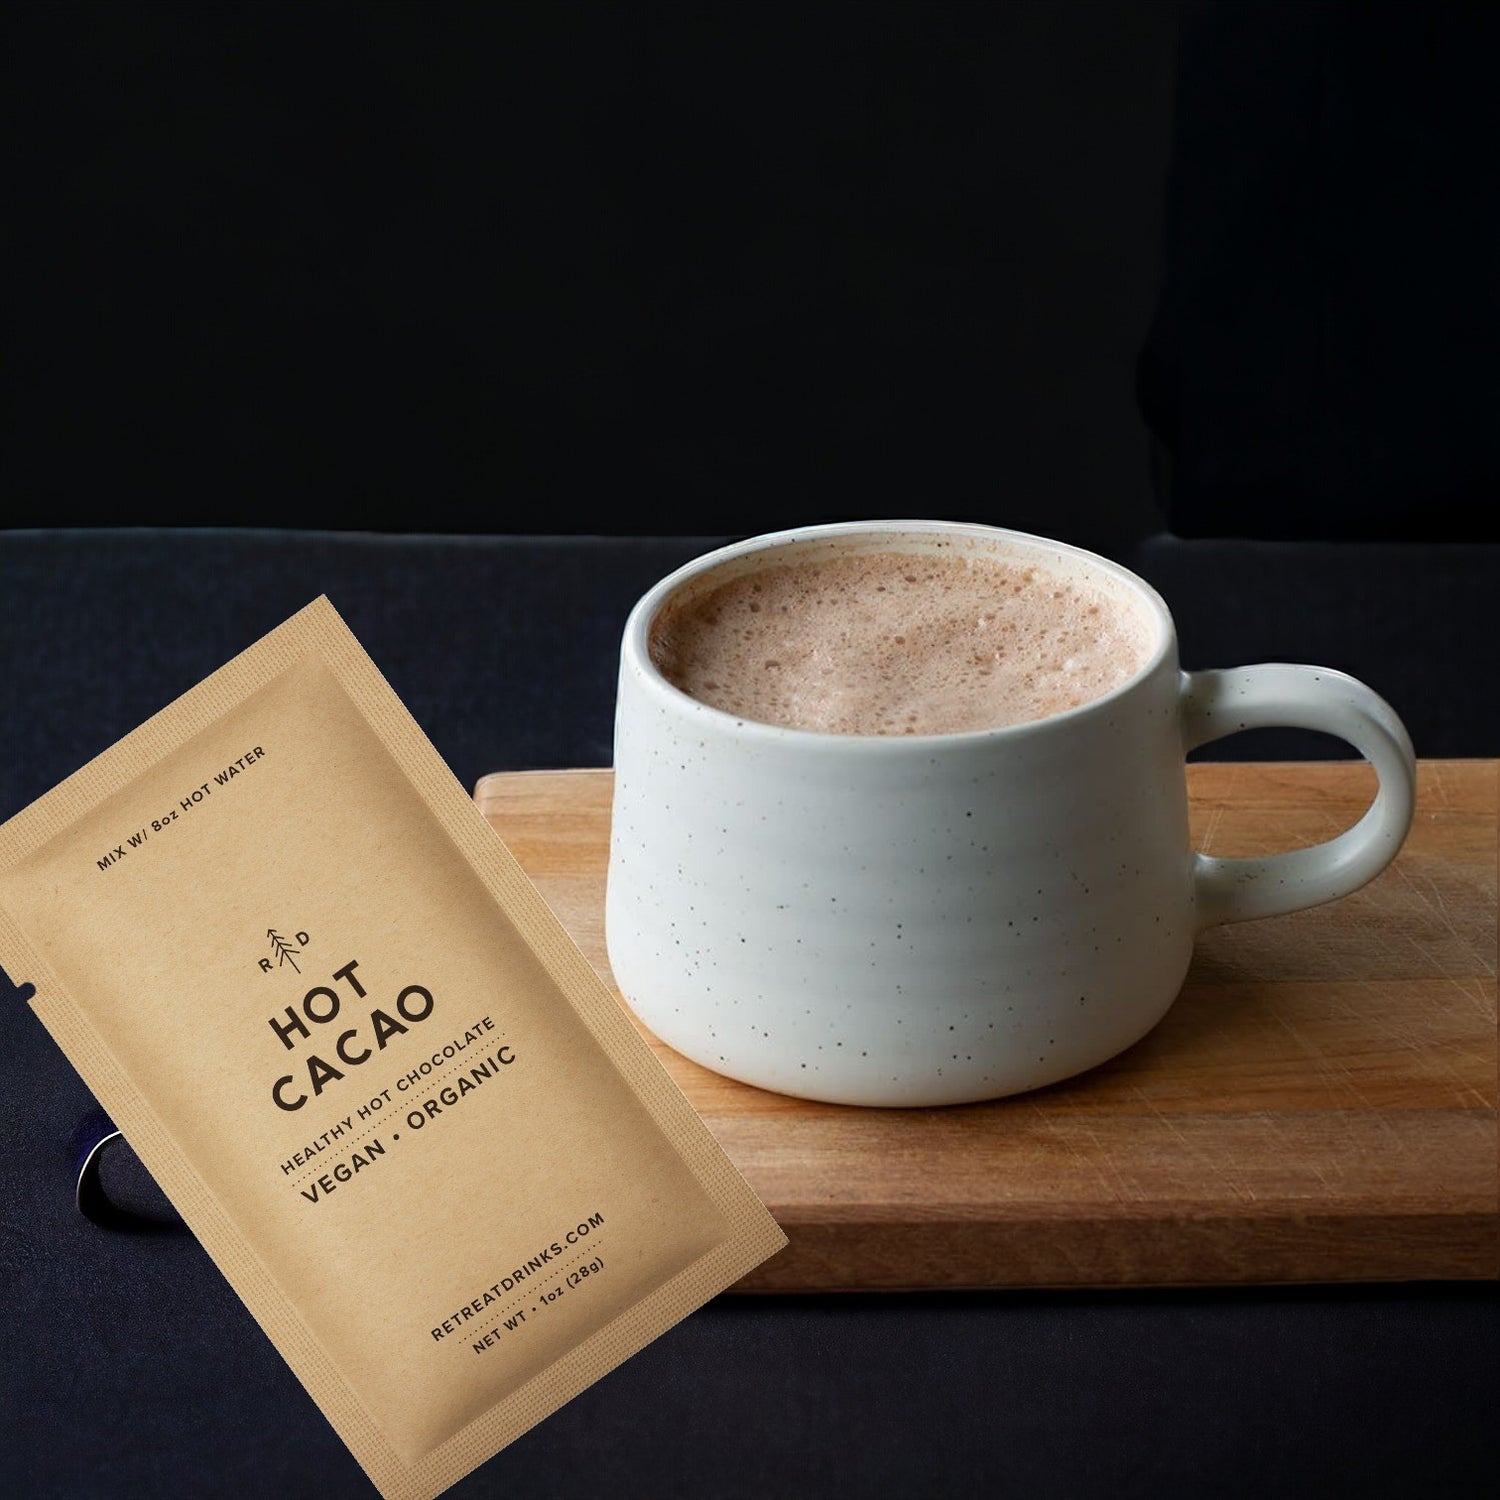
{"points": [[385, 1090]]}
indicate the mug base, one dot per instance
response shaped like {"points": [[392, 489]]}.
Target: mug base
{"points": [[899, 1091]]}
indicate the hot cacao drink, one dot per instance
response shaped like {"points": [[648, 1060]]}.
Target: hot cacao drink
{"points": [[898, 643]]}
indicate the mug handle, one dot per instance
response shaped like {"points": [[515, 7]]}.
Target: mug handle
{"points": [[1223, 702]]}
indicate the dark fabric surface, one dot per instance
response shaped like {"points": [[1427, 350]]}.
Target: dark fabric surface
{"points": [[128, 1367], [504, 650], [1414, 620], [1320, 362]]}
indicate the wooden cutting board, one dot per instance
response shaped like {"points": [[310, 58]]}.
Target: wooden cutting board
{"points": [[1318, 1105]]}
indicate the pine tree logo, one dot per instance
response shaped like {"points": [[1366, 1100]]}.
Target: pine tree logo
{"points": [[284, 952]]}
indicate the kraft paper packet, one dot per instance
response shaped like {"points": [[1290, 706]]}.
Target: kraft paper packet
{"points": [[352, 1044]]}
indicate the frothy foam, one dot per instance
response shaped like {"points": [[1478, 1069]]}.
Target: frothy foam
{"points": [[895, 643]]}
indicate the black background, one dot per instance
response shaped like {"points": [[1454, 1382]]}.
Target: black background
{"points": [[717, 269], [572, 268]]}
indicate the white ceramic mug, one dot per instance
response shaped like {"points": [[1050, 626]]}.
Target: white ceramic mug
{"points": [[914, 920]]}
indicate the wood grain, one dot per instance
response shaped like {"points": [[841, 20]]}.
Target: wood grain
{"points": [[1318, 1105]]}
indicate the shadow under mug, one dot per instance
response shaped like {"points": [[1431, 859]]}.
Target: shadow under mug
{"points": [[937, 919]]}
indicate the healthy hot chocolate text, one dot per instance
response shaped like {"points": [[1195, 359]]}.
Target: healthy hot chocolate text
{"points": [[434, 1087]]}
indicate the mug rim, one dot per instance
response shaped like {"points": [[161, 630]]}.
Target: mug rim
{"points": [[636, 654]]}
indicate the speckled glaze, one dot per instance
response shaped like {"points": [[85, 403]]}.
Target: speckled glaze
{"points": [[940, 919]]}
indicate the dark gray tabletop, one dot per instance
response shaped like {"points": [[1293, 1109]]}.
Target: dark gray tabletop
{"points": [[129, 1368]]}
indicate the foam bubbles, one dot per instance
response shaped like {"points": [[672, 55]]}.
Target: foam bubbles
{"points": [[893, 643]]}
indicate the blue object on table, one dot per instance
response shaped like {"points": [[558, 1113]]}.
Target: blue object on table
{"points": [[95, 1133]]}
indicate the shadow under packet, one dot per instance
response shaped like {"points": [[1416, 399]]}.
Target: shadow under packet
{"points": [[316, 992]]}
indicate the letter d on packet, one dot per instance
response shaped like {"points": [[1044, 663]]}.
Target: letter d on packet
{"points": [[357, 1051]]}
